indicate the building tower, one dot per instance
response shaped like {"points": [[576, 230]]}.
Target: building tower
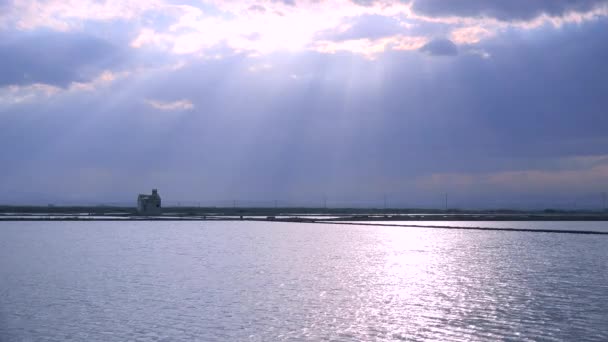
{"points": [[149, 205]]}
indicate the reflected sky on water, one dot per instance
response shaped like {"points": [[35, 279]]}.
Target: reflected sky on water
{"points": [[259, 281]]}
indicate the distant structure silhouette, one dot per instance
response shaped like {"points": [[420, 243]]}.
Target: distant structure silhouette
{"points": [[149, 204]]}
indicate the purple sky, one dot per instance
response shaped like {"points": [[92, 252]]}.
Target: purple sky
{"points": [[497, 103]]}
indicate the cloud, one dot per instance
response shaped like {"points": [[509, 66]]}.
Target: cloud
{"points": [[300, 26], [20, 94], [286, 2], [15, 95], [364, 27], [586, 178], [440, 47], [470, 34], [369, 48], [364, 2], [195, 28], [149, 36], [260, 67], [504, 10], [257, 8], [64, 15], [356, 113], [180, 105], [68, 58], [4, 5]]}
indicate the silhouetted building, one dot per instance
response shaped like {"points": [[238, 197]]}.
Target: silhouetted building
{"points": [[149, 204]]}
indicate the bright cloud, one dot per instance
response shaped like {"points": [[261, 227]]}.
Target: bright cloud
{"points": [[18, 94], [13, 95], [265, 27], [180, 105], [470, 34], [371, 47]]}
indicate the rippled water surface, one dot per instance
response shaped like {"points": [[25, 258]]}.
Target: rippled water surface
{"points": [[256, 281], [590, 226]]}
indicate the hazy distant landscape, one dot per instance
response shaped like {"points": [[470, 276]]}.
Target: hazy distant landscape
{"points": [[363, 213]]}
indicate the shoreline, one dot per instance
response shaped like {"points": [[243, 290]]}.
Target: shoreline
{"points": [[301, 217], [378, 222]]}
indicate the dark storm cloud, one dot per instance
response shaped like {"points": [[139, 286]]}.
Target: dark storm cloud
{"points": [[54, 58], [503, 9], [518, 103], [440, 47]]}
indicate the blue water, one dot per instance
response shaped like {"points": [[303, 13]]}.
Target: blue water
{"points": [[591, 226], [258, 281]]}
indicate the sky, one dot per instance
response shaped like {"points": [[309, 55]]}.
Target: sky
{"points": [[498, 104]]}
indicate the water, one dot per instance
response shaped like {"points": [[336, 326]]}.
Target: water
{"points": [[591, 226], [259, 281]]}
